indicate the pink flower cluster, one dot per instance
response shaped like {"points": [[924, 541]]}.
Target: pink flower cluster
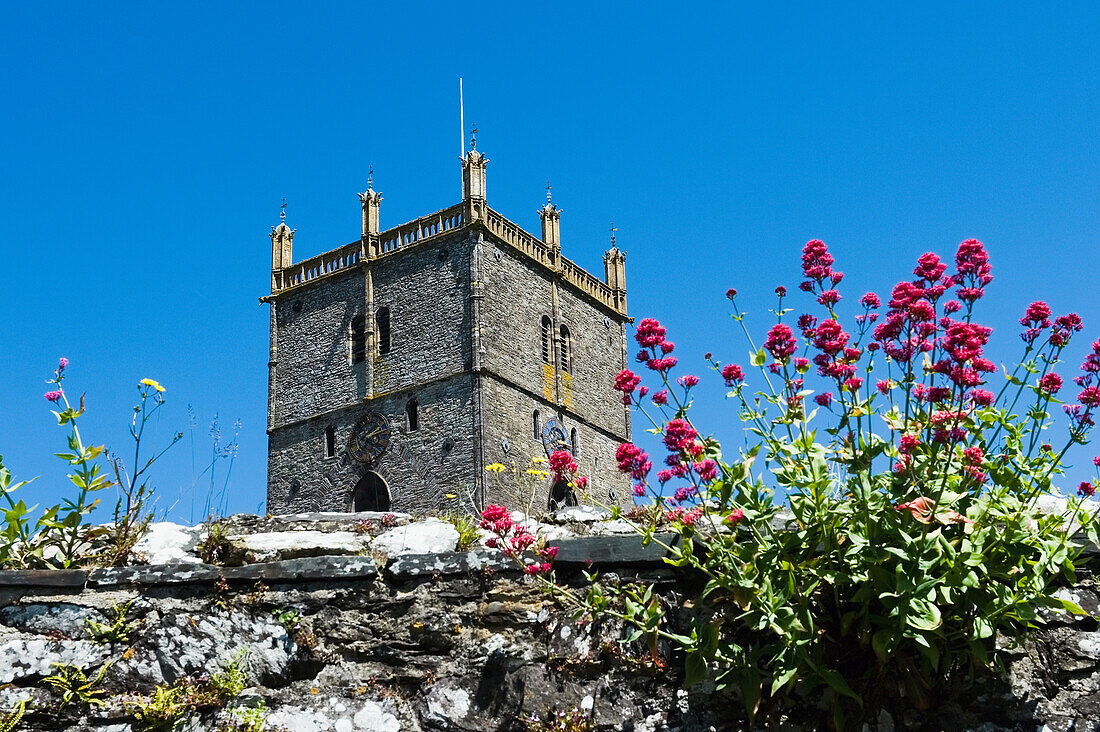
{"points": [[634, 460], [514, 540], [1089, 381], [817, 266], [650, 335]]}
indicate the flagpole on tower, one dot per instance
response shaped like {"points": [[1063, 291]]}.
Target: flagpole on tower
{"points": [[461, 125]]}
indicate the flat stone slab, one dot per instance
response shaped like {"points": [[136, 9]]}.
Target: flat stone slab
{"points": [[449, 563], [430, 536], [169, 543], [43, 578], [309, 569], [282, 545], [611, 549]]}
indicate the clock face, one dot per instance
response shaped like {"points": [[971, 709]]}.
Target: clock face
{"points": [[553, 438], [369, 438]]}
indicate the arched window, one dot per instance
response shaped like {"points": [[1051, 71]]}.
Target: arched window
{"points": [[538, 425], [565, 350], [358, 339], [412, 418], [547, 340], [573, 442], [382, 323], [330, 441]]}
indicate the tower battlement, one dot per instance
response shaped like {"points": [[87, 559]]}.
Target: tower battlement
{"points": [[404, 363]]}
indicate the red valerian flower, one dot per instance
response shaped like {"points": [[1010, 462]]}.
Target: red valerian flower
{"points": [[52, 396], [626, 381], [707, 470], [780, 343], [1096, 461], [660, 397], [824, 399], [679, 435], [650, 333], [816, 264], [1086, 489], [731, 293], [908, 442], [62, 363], [883, 387], [735, 517], [732, 373], [781, 291], [634, 460], [981, 397], [667, 347], [1089, 396], [828, 298], [870, 301], [1050, 383], [687, 381], [929, 267]]}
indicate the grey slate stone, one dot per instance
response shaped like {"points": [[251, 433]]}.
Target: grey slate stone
{"points": [[622, 550], [309, 569], [450, 563]]}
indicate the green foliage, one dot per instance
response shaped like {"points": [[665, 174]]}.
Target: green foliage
{"points": [[249, 719], [61, 537], [230, 681], [118, 630], [573, 720], [10, 720], [911, 534], [467, 526], [73, 685], [170, 706], [215, 546], [301, 633], [166, 709]]}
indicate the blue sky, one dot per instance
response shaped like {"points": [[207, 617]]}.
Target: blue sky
{"points": [[147, 149]]}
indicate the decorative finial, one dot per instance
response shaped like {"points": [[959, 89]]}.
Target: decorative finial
{"points": [[548, 187], [282, 212], [613, 230], [473, 136], [370, 178]]}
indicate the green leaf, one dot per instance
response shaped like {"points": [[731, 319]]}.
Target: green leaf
{"points": [[839, 685], [695, 668], [923, 615], [759, 358]]}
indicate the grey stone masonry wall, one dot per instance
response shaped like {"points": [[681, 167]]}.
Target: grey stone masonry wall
{"points": [[465, 337], [427, 292], [314, 373], [393, 628], [511, 419], [598, 355], [419, 467]]}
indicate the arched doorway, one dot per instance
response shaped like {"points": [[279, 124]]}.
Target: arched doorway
{"points": [[561, 495], [370, 494]]}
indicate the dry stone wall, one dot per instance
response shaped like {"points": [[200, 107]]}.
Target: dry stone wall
{"points": [[395, 629]]}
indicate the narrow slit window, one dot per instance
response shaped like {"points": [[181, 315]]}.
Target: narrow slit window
{"points": [[565, 350], [358, 339], [330, 441], [547, 340], [538, 425], [412, 415], [573, 441], [382, 320]]}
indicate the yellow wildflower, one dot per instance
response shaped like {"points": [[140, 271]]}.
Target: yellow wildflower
{"points": [[495, 468], [538, 460], [150, 382], [538, 473]]}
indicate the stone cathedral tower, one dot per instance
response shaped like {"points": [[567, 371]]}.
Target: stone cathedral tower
{"points": [[405, 362]]}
